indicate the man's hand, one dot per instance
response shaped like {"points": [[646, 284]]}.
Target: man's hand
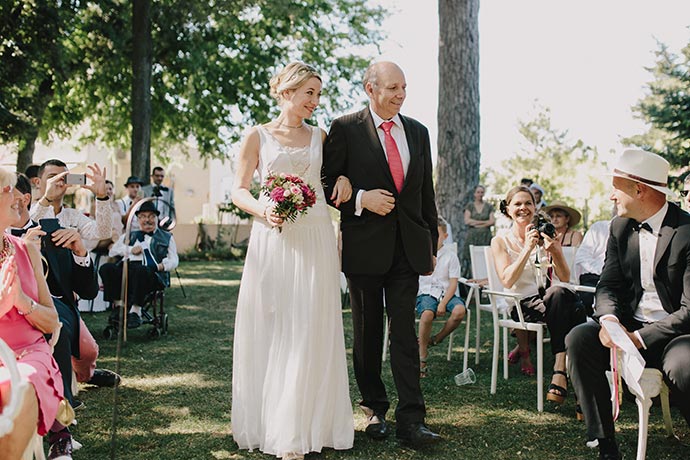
{"points": [[441, 310], [33, 236], [342, 191], [69, 238], [136, 250], [97, 176], [55, 186], [378, 201]]}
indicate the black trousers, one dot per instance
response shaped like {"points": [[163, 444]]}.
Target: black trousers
{"points": [[367, 292], [588, 279], [141, 280], [560, 309], [589, 360], [67, 344]]}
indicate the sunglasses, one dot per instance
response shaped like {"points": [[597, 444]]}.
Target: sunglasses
{"points": [[684, 193]]}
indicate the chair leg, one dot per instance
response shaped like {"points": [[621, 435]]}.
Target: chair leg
{"points": [[478, 334], [385, 341], [505, 353], [450, 345], [494, 358], [465, 357], [643, 406], [666, 410], [540, 369]]}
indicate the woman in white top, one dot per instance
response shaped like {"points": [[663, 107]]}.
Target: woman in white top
{"points": [[527, 261]]}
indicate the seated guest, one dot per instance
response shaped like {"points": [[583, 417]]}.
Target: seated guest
{"points": [[520, 255], [589, 260], [152, 254], [53, 189], [564, 218], [437, 295], [26, 314], [69, 272], [644, 287], [538, 193]]}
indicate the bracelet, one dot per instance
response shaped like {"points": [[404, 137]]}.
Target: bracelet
{"points": [[31, 309]]}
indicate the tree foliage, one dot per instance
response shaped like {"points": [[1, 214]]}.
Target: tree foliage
{"points": [[212, 62], [567, 170], [666, 108]]}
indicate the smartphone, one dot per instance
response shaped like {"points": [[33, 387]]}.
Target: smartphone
{"points": [[49, 225], [75, 179]]}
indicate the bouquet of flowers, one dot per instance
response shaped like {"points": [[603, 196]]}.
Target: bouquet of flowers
{"points": [[291, 194]]}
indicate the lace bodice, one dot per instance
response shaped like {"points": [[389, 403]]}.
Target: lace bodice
{"points": [[305, 162]]}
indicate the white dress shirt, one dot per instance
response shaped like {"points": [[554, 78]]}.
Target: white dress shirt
{"points": [[398, 134], [591, 254], [650, 309]]}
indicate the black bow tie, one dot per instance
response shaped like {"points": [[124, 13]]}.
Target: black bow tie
{"points": [[18, 232], [643, 226], [158, 189], [141, 235]]}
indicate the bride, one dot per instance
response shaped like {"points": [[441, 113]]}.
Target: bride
{"points": [[290, 389]]}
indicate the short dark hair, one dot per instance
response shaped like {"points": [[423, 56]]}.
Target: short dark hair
{"points": [[23, 184], [157, 168], [51, 162], [108, 181], [32, 171]]}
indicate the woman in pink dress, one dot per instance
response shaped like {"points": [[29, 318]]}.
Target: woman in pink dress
{"points": [[26, 314]]}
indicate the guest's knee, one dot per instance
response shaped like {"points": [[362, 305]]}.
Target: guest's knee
{"points": [[581, 337], [676, 364], [426, 317]]}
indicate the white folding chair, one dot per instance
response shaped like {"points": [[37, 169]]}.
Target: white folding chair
{"points": [[386, 334], [19, 388], [652, 384], [495, 292]]}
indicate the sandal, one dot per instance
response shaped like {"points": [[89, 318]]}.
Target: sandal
{"points": [[557, 393], [423, 369], [433, 342], [514, 356], [526, 369]]}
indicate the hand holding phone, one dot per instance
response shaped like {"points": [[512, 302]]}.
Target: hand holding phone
{"points": [[49, 225]]}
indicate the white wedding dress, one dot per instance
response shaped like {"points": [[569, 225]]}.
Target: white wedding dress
{"points": [[290, 388]]}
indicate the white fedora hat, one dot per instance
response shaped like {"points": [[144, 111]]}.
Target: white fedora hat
{"points": [[645, 167]]}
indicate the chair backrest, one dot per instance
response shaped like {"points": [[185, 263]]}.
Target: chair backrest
{"points": [[17, 389], [494, 281], [478, 262], [569, 253]]}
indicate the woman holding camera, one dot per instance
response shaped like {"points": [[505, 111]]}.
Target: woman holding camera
{"points": [[528, 261]]}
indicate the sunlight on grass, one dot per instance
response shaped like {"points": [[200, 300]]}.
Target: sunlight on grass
{"points": [[188, 380], [225, 455], [193, 425], [205, 282]]}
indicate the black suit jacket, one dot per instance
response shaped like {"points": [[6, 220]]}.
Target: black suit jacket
{"points": [[353, 149], [619, 290]]}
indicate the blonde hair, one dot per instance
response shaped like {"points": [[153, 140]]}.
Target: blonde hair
{"points": [[7, 177], [293, 75], [442, 224]]}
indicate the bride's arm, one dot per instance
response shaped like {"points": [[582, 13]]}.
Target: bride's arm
{"points": [[246, 165]]}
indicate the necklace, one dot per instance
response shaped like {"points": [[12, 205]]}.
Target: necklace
{"points": [[280, 123], [8, 249]]}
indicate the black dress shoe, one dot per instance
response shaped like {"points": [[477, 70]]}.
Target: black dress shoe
{"points": [[104, 378], [608, 449], [377, 428], [133, 320], [418, 435]]}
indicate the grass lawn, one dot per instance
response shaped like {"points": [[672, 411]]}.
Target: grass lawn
{"points": [[174, 401]]}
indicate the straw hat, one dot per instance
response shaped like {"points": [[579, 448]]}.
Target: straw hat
{"points": [[574, 214], [645, 167]]}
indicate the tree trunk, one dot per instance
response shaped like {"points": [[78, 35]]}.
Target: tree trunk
{"points": [[141, 88], [458, 112], [27, 145]]}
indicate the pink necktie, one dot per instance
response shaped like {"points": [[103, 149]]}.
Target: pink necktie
{"points": [[394, 161]]}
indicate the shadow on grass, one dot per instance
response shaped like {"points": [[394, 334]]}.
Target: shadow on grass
{"points": [[174, 402]]}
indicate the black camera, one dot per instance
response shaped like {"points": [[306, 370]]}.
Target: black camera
{"points": [[543, 225]]}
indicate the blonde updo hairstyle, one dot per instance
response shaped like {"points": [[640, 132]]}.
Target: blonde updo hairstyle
{"points": [[7, 177], [293, 75]]}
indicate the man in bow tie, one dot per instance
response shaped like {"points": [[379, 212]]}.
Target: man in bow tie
{"points": [[165, 199], [389, 237], [645, 287], [152, 254]]}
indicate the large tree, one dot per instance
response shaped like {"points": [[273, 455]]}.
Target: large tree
{"points": [[211, 62], [666, 107], [457, 171]]}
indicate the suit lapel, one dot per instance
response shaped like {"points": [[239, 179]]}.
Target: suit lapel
{"points": [[666, 234], [372, 139], [633, 257], [412, 148]]}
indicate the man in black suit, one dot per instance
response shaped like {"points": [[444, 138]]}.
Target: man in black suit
{"points": [[389, 237], [644, 286]]}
